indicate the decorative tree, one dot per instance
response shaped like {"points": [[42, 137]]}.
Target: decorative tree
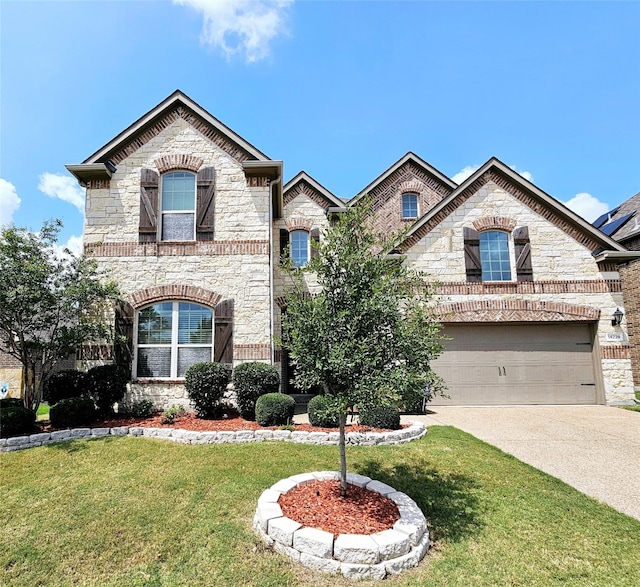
{"points": [[369, 335], [49, 304]]}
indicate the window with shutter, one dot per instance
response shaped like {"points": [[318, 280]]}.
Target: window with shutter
{"points": [[494, 256], [148, 225], [205, 207], [522, 246], [284, 245], [172, 336], [473, 266], [299, 248], [177, 206]]}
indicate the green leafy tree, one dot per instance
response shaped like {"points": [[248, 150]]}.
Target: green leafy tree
{"points": [[49, 304], [369, 335]]}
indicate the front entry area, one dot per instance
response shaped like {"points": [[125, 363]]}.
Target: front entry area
{"points": [[518, 364]]}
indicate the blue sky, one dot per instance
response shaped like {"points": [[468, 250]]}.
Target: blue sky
{"points": [[341, 90]]}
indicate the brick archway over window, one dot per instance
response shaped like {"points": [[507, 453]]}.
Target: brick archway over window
{"points": [[494, 223], [171, 162], [515, 311], [188, 293]]}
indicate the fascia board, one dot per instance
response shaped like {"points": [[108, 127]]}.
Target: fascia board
{"points": [[168, 103]]}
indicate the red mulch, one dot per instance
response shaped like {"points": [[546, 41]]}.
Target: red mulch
{"points": [[318, 504], [190, 422]]}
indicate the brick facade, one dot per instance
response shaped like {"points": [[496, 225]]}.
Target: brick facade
{"points": [[630, 276]]}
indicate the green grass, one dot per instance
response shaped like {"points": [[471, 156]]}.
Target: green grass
{"points": [[142, 512], [43, 412]]}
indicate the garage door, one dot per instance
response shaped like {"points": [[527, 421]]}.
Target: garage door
{"points": [[517, 364]]}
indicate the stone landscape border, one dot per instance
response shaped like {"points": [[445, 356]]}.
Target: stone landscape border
{"points": [[415, 431], [356, 556]]}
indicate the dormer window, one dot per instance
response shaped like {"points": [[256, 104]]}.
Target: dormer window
{"points": [[409, 206], [178, 204]]}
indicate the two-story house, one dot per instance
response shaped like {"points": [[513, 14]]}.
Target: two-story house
{"points": [[190, 219]]}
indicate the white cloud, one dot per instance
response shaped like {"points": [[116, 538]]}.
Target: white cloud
{"points": [[63, 187], [241, 26], [526, 174], [9, 202], [587, 206], [464, 173], [74, 244]]}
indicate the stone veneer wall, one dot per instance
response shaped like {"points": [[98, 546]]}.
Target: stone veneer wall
{"points": [[11, 374], [234, 266], [630, 276], [554, 253]]}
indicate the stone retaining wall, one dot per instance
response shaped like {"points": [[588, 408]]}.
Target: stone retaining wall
{"points": [[355, 556], [415, 431]]}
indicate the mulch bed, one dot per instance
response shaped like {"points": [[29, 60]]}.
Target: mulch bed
{"points": [[318, 504]]}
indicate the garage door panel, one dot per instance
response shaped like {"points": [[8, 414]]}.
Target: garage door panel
{"points": [[518, 364]]}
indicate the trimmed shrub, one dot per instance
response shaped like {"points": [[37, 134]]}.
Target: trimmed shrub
{"points": [[74, 411], [15, 420], [11, 402], [322, 412], [141, 409], [106, 385], [275, 409], [380, 416], [250, 381], [170, 414], [205, 384], [63, 385]]}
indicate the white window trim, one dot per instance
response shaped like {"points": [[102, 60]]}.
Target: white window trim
{"points": [[402, 206], [308, 233], [512, 257], [193, 211], [174, 346]]}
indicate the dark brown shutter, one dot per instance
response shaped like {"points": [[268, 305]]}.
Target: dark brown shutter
{"points": [[315, 238], [223, 333], [148, 228], [524, 270], [472, 263], [284, 244], [205, 207], [123, 343]]}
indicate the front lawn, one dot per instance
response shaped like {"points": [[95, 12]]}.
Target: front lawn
{"points": [[142, 512]]}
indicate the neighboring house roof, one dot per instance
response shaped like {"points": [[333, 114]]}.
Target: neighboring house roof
{"points": [[439, 181], [622, 223], [303, 183], [538, 200]]}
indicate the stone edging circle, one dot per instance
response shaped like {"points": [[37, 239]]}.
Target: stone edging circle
{"points": [[415, 431], [356, 556]]}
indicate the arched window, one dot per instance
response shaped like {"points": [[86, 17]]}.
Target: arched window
{"points": [[494, 256], [409, 206], [172, 336], [177, 207], [299, 247]]}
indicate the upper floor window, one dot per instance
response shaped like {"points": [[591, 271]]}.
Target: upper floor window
{"points": [[299, 248], [178, 206], [494, 256], [409, 206], [172, 336]]}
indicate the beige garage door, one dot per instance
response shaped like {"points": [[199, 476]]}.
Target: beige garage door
{"points": [[518, 364]]}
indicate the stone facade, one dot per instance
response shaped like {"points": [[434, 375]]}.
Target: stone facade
{"points": [[237, 263]]}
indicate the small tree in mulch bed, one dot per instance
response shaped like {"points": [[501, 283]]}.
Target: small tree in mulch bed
{"points": [[369, 336]]}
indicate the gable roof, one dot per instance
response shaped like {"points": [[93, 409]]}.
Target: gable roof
{"points": [[430, 176], [539, 201], [303, 183], [624, 222]]}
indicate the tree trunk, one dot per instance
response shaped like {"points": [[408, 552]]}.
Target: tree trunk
{"points": [[32, 395], [343, 454]]}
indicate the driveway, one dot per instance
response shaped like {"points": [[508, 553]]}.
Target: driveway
{"points": [[595, 449]]}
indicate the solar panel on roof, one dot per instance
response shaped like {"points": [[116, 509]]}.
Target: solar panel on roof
{"points": [[611, 227], [604, 218]]}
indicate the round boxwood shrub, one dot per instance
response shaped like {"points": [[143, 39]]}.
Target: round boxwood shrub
{"points": [[15, 420], [71, 412], [380, 416], [11, 402], [205, 384], [106, 385], [275, 409], [322, 412], [250, 381], [63, 385]]}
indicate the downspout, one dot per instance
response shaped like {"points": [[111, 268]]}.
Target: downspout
{"points": [[272, 185]]}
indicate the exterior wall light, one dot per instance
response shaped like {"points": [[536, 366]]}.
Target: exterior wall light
{"points": [[617, 317]]}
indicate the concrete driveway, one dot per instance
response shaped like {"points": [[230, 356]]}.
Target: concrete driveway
{"points": [[595, 449]]}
